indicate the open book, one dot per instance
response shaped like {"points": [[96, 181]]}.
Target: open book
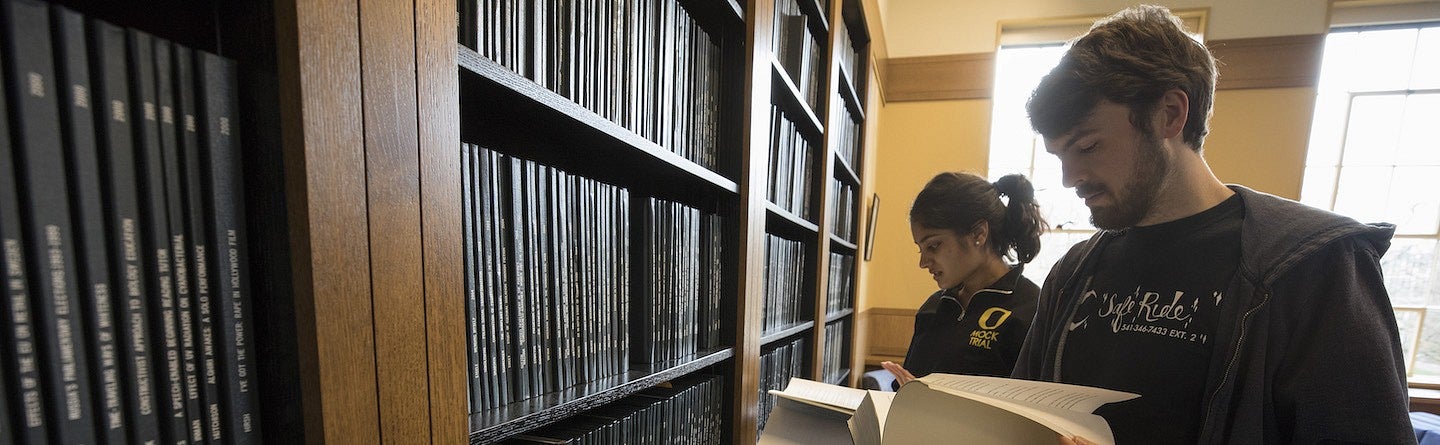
{"points": [[941, 408]]}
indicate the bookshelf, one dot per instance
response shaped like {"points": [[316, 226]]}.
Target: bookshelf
{"points": [[353, 116]]}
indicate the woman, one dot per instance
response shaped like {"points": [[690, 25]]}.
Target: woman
{"points": [[977, 322]]}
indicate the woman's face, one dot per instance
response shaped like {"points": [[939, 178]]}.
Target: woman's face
{"points": [[949, 257]]}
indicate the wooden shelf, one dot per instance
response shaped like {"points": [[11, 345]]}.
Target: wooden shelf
{"points": [[844, 376], [788, 95], [497, 424], [787, 332], [833, 316], [816, 15], [852, 98], [843, 170], [795, 221], [506, 92], [844, 245]]}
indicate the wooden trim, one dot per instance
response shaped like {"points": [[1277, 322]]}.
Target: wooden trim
{"points": [[322, 140], [387, 37], [438, 98], [750, 289], [949, 77], [888, 332], [1268, 62]]}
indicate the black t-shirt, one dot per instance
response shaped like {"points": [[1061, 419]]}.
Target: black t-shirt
{"points": [[1146, 320], [983, 339]]}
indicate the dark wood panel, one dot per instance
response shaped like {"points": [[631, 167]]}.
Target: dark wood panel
{"points": [[949, 77], [438, 98], [323, 142], [387, 37], [750, 290], [1268, 62]]}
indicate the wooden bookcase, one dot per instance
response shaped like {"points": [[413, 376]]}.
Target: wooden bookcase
{"points": [[353, 115]]}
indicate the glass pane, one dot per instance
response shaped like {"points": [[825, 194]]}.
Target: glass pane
{"points": [[1409, 322], [1427, 359], [1319, 187], [1373, 129], [1043, 159], [1413, 206], [1382, 60], [1327, 129], [1017, 71], [1053, 245], [1363, 192], [1409, 268], [1427, 60], [1416, 143], [1060, 206], [1339, 53]]}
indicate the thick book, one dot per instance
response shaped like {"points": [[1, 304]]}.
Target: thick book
{"points": [[940, 407], [221, 182], [155, 239], [165, 95], [202, 304], [83, 176], [110, 88], [49, 241], [18, 357]]}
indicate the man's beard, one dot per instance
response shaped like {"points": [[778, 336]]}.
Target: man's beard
{"points": [[1135, 200]]}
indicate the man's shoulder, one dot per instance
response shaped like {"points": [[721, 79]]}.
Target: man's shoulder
{"points": [[1277, 233]]}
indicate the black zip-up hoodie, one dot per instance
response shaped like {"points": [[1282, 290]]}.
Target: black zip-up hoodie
{"points": [[982, 339], [1308, 353]]}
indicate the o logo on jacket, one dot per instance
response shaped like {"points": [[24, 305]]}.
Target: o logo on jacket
{"points": [[993, 317]]}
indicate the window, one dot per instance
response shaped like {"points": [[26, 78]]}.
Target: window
{"points": [[1372, 158], [1015, 148]]}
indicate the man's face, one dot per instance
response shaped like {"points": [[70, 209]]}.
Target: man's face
{"points": [[1115, 168]]}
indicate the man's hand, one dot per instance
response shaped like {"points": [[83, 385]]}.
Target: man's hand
{"points": [[901, 375]]}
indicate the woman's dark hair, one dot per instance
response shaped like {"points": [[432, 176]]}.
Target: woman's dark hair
{"points": [[957, 201]]}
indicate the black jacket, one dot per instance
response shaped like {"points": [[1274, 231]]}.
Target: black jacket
{"points": [[983, 339], [1308, 353]]}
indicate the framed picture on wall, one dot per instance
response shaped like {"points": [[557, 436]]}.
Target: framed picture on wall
{"points": [[870, 226]]}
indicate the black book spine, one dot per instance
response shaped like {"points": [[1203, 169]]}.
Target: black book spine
{"points": [[179, 243], [156, 239], [202, 302], [225, 233], [93, 274], [520, 267], [46, 221], [17, 329], [475, 377], [111, 91]]}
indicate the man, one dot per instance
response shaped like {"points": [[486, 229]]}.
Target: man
{"points": [[1239, 317]]}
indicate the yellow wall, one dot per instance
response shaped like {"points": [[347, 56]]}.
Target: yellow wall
{"points": [[915, 141], [1258, 138]]}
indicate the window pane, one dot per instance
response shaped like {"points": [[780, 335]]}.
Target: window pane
{"points": [[1382, 60], [1319, 187], [1363, 192], [1417, 143], [1374, 125], [1340, 49], [1059, 205], [1409, 268], [1427, 60], [1427, 359], [1327, 128], [1409, 322], [1053, 245], [1413, 206]]}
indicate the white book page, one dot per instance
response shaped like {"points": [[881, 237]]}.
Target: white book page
{"points": [[868, 424], [1058, 396], [824, 393]]}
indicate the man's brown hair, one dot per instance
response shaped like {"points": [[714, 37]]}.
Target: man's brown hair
{"points": [[1131, 58]]}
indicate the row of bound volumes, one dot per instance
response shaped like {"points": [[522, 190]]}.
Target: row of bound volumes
{"points": [[784, 270], [842, 212], [852, 60], [841, 287], [547, 299], [792, 162], [834, 363], [848, 140], [645, 65], [799, 51], [687, 411], [777, 366], [678, 309], [127, 294]]}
